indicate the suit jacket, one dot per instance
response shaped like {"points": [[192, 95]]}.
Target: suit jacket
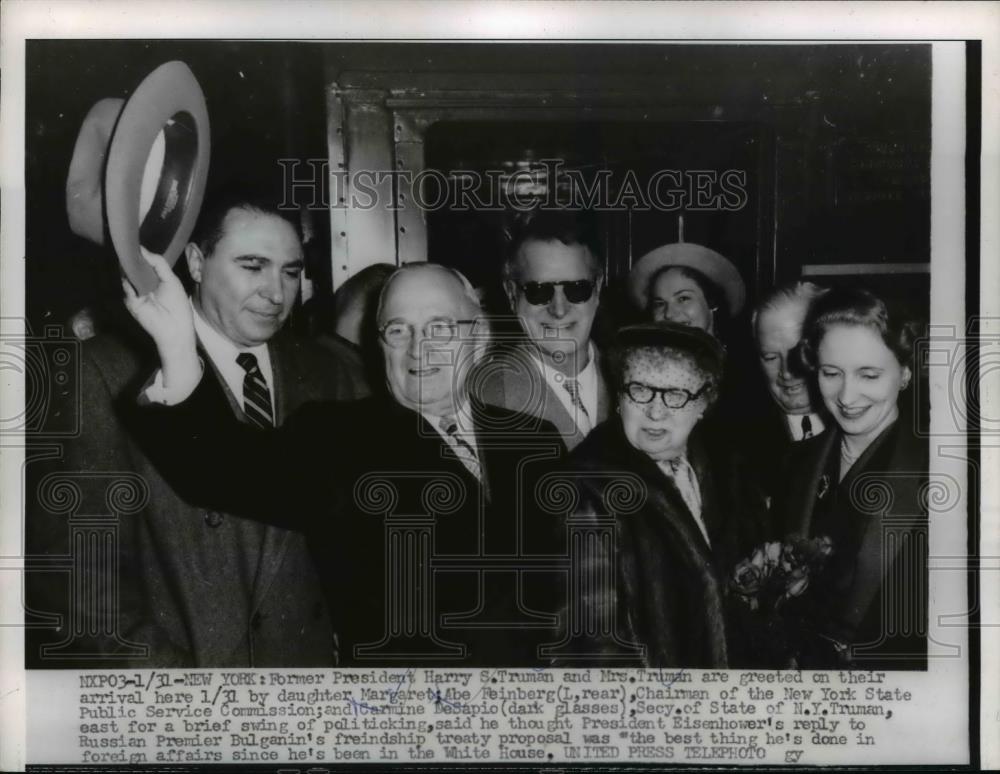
{"points": [[199, 586], [398, 524], [765, 440], [873, 596], [670, 583], [747, 417], [509, 377]]}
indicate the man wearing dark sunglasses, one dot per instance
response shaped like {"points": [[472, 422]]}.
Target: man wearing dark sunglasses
{"points": [[553, 279]]}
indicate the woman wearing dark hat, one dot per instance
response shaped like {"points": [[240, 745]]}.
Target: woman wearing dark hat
{"points": [[863, 484], [693, 517], [687, 284]]}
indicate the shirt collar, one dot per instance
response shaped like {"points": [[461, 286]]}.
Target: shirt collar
{"points": [[794, 422], [462, 416], [220, 348]]}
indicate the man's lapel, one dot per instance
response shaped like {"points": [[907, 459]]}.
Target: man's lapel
{"points": [[527, 393], [281, 367], [604, 395], [275, 543], [234, 404]]}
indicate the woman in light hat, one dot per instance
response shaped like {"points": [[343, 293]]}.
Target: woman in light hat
{"points": [[691, 285], [687, 284]]}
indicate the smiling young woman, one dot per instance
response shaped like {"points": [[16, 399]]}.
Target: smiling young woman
{"points": [[862, 484]]}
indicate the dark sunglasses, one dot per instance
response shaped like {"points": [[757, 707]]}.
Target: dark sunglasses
{"points": [[539, 293]]}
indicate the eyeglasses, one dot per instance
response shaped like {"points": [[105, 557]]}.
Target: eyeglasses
{"points": [[672, 397], [540, 293], [397, 334]]}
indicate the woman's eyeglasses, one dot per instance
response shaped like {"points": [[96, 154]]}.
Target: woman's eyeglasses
{"points": [[672, 397], [397, 334], [540, 293]]}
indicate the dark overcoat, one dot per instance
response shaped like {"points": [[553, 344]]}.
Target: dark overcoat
{"points": [[669, 582], [419, 558], [198, 586], [870, 605]]}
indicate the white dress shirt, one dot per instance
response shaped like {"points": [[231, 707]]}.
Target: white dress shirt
{"points": [[587, 384], [795, 425], [462, 418], [222, 352]]}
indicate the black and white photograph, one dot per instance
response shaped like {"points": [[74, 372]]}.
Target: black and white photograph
{"points": [[500, 399]]}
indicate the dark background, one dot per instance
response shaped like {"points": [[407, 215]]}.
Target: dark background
{"points": [[849, 138]]}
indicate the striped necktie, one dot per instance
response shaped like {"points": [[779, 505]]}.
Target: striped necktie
{"points": [[256, 396], [462, 448], [572, 386]]}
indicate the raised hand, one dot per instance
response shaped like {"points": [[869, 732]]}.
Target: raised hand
{"points": [[166, 315]]}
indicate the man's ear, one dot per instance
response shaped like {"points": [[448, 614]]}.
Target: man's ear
{"points": [[194, 258], [907, 375]]}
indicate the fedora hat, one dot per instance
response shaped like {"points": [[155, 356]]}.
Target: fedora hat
{"points": [[713, 265], [140, 166]]}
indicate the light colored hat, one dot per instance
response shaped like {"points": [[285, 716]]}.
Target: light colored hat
{"points": [[153, 151], [713, 265]]}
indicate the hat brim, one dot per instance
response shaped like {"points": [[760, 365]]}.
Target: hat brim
{"points": [[713, 265], [686, 338], [170, 100]]}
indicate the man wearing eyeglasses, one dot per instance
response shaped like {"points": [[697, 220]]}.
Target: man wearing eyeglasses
{"points": [[553, 279], [343, 472]]}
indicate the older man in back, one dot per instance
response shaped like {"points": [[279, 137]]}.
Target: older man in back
{"points": [[346, 473], [791, 415]]}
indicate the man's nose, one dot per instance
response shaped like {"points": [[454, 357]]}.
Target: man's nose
{"points": [[558, 306], [416, 343], [273, 289], [785, 369]]}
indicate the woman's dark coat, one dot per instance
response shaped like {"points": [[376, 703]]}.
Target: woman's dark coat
{"points": [[873, 596], [669, 584]]}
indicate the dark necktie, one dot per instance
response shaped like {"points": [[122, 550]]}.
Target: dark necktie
{"points": [[573, 388], [807, 427], [256, 396], [462, 448]]}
